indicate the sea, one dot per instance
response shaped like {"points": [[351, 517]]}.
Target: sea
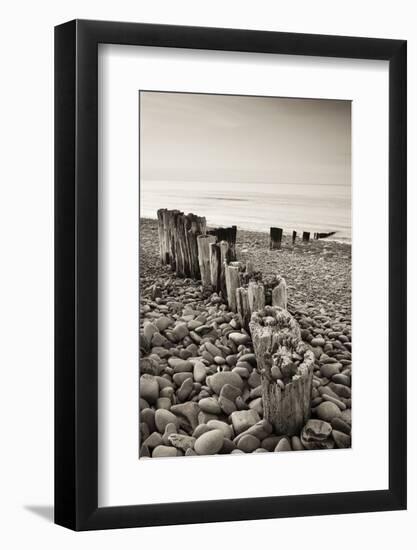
{"points": [[312, 207]]}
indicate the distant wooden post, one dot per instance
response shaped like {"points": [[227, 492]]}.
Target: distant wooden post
{"points": [[215, 266], [294, 236], [286, 382], [279, 294], [203, 243], [275, 238], [232, 284], [306, 236], [256, 296]]}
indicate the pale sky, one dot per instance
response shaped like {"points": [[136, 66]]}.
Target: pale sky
{"points": [[202, 137]]}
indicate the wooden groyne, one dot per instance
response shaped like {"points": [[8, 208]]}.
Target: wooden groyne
{"points": [[284, 362]]}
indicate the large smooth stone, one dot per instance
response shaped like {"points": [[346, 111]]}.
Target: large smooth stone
{"points": [[340, 425], [226, 405], [248, 443], [180, 331], [283, 445], [341, 379], [238, 338], [164, 417], [342, 440], [209, 443], [163, 451], [149, 388], [327, 410], [317, 341], [222, 426], [180, 365], [153, 440], [189, 411], [296, 443], [210, 405], [249, 357], [270, 442], [329, 369], [185, 390], [163, 403], [148, 330], [242, 420], [230, 392], [199, 371], [213, 350], [220, 379], [163, 323]]}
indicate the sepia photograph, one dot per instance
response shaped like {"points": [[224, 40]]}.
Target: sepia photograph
{"points": [[244, 274]]}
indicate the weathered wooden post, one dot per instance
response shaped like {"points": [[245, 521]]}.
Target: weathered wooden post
{"points": [[178, 241], [275, 238], [279, 294], [286, 367], [197, 227], [294, 236], [215, 266], [224, 260], [161, 235], [242, 303], [256, 296], [232, 284], [203, 243], [306, 236]]}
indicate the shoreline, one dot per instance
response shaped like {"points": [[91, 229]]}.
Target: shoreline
{"points": [[286, 232]]}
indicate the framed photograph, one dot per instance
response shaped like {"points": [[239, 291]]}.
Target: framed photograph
{"points": [[230, 252]]}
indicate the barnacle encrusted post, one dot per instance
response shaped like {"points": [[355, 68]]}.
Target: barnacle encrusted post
{"points": [[286, 367]]}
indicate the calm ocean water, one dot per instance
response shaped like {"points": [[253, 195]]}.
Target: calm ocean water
{"points": [[257, 207]]}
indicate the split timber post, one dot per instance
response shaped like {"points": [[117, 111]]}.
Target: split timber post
{"points": [[248, 300], [275, 238], [242, 303], [215, 266], [286, 367], [224, 260], [279, 294], [256, 296], [294, 236], [306, 236], [232, 284], [203, 244]]}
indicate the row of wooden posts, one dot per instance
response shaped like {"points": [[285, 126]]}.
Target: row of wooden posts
{"points": [[192, 251], [276, 234], [184, 239]]}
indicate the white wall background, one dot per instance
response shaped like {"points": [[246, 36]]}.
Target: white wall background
{"points": [[26, 273]]}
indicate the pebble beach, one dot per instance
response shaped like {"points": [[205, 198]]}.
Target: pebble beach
{"points": [[200, 390]]}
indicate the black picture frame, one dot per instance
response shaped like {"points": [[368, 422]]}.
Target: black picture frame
{"points": [[76, 271]]}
